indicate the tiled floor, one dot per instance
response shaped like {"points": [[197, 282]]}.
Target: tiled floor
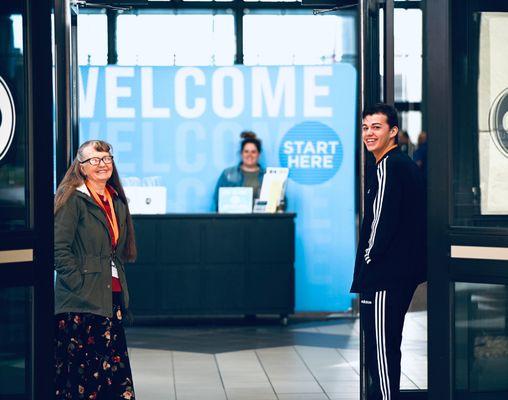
{"points": [[304, 361]]}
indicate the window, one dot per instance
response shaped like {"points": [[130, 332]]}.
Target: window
{"points": [[93, 39], [279, 39], [481, 155], [408, 55], [17, 30], [176, 39], [481, 338], [13, 147], [411, 122], [15, 341]]}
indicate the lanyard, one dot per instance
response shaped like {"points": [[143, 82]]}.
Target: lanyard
{"points": [[113, 223]]}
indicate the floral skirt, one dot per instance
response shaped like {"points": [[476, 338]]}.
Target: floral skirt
{"points": [[91, 358]]}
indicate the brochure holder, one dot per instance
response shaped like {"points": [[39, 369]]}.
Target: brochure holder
{"points": [[273, 188]]}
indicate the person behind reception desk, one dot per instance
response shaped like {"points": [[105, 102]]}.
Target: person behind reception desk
{"points": [[249, 173]]}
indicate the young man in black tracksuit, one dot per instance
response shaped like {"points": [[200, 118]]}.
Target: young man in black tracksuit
{"points": [[390, 260]]}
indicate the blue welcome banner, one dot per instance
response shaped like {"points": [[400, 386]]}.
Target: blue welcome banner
{"points": [[180, 127]]}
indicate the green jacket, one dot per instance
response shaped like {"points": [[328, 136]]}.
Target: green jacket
{"points": [[83, 256]]}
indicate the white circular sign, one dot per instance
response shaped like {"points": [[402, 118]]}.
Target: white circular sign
{"points": [[499, 122], [7, 118]]}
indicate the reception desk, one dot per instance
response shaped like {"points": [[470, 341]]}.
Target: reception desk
{"points": [[211, 264]]}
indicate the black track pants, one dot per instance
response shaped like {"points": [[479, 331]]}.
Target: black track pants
{"points": [[382, 315]]}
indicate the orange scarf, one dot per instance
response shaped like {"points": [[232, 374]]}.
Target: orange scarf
{"points": [[112, 221]]}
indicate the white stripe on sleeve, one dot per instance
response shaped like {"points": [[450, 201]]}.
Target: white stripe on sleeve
{"points": [[377, 206]]}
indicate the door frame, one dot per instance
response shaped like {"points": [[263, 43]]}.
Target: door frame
{"points": [[36, 271], [439, 24], [371, 91]]}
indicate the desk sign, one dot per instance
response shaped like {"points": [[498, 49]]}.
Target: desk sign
{"points": [[260, 206], [235, 200]]}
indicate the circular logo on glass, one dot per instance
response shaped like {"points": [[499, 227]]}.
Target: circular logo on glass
{"points": [[7, 118], [312, 151], [499, 122]]}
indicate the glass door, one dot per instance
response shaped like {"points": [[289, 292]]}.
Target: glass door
{"points": [[479, 234], [25, 200], [391, 68], [467, 91]]}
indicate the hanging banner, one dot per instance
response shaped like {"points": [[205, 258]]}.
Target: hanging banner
{"points": [[493, 114], [180, 127]]}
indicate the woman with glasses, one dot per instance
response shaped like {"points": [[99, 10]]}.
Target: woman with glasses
{"points": [[94, 237]]}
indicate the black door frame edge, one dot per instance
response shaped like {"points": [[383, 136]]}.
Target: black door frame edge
{"points": [[438, 65], [40, 129], [370, 93]]}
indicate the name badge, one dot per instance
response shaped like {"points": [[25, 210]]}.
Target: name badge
{"points": [[114, 271]]}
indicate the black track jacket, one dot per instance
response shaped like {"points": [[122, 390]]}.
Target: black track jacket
{"points": [[392, 247]]}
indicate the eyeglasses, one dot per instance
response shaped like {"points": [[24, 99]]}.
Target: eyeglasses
{"points": [[96, 160]]}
